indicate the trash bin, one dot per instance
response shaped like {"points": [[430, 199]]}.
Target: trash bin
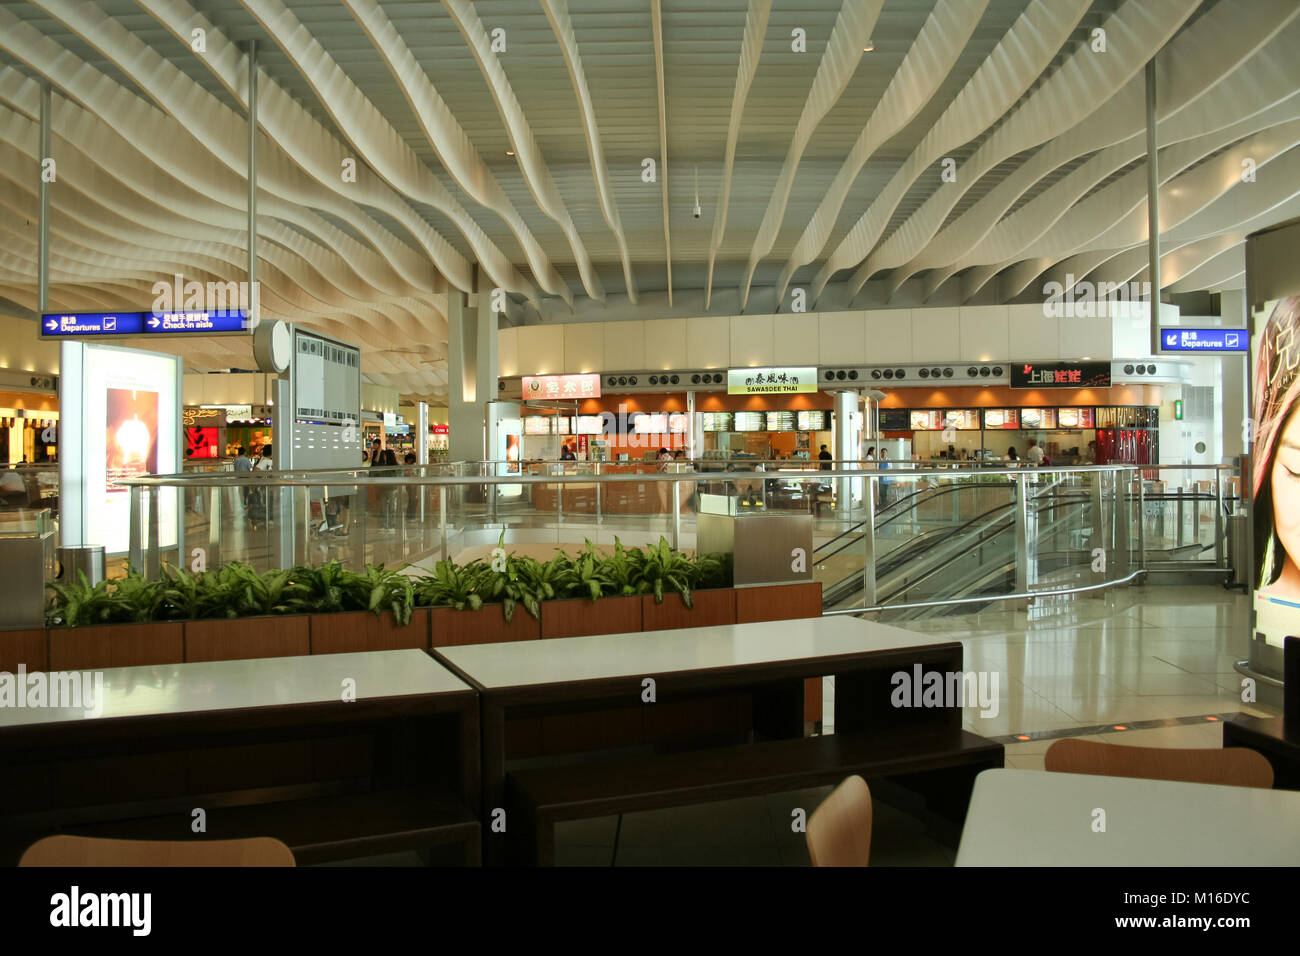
{"points": [[26, 565], [87, 558]]}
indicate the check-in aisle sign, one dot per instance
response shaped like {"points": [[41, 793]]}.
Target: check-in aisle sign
{"points": [[60, 325], [1204, 340]]}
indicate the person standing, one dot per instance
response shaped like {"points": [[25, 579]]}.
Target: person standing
{"points": [[1034, 454], [825, 458], [566, 453], [243, 464]]}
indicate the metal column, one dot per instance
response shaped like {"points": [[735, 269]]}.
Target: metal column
{"points": [[254, 311], [43, 240], [1153, 206]]}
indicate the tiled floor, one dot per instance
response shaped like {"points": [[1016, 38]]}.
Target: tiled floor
{"points": [[1133, 654]]}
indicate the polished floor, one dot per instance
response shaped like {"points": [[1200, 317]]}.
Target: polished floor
{"points": [[1147, 666]]}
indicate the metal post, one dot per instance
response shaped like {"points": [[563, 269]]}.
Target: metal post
{"points": [[254, 309], [675, 506], [1219, 561], [1179, 538], [1123, 516], [153, 559], [869, 543], [1142, 520], [1153, 206], [43, 240], [1022, 533], [599, 516], [442, 517], [135, 554]]}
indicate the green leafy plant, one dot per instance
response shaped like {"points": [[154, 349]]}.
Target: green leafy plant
{"points": [[238, 590]]}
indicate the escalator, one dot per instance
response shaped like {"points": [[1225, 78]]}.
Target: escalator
{"points": [[944, 562]]}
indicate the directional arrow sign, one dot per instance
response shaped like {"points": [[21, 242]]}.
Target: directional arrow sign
{"points": [[1203, 340], [96, 324]]}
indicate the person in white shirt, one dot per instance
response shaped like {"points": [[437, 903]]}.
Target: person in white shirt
{"points": [[1034, 453]]}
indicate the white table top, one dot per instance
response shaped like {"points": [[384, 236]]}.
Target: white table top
{"points": [[267, 682], [647, 653], [1036, 818]]}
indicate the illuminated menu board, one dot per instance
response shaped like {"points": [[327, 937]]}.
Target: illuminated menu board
{"points": [[813, 421], [678, 423], [1037, 418], [655, 423], [717, 421], [1074, 417], [1001, 418], [589, 425], [748, 422], [537, 425], [563, 425], [962, 419], [780, 421], [924, 420]]}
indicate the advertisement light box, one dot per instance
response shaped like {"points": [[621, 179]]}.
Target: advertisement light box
{"points": [[122, 420], [560, 386], [766, 381]]}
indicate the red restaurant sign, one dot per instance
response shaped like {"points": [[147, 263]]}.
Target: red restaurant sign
{"points": [[560, 387]]}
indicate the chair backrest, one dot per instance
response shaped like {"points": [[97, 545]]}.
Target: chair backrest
{"points": [[839, 831], [64, 850], [1234, 766]]}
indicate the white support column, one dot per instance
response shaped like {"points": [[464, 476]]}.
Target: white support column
{"points": [[464, 411], [848, 428]]}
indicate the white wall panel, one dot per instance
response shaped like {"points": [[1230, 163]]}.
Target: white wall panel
{"points": [[665, 344], [1084, 338], [541, 349], [983, 333], [889, 336], [708, 341], [935, 335], [584, 347], [624, 345], [508, 352], [795, 339], [1033, 337], [843, 338], [752, 342]]}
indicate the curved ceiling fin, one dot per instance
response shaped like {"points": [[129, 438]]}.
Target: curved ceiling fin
{"points": [[529, 155], [557, 12], [844, 48]]}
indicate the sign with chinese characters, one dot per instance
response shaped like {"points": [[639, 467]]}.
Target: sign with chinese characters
{"points": [[560, 387], [1204, 340], [1060, 375], [766, 381], [96, 324]]}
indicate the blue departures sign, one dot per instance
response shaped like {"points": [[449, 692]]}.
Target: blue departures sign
{"points": [[1204, 340], [96, 324]]}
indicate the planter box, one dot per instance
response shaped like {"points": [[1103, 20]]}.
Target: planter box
{"points": [[26, 647], [116, 645], [713, 607], [451, 628], [362, 631], [246, 638], [581, 617], [778, 602]]}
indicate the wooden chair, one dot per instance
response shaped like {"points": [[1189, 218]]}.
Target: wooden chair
{"points": [[64, 850], [839, 831], [1233, 766]]}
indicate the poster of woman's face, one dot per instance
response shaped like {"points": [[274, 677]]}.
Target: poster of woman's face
{"points": [[1275, 482]]}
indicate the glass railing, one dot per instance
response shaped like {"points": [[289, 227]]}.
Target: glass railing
{"points": [[900, 538]]}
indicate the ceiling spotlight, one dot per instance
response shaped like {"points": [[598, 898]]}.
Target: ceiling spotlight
{"points": [[510, 152], [869, 47]]}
